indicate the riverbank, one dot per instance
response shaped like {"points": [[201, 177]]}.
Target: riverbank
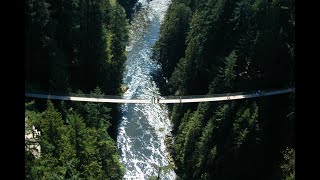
{"points": [[168, 142]]}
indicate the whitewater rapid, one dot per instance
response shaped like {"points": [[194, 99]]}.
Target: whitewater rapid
{"points": [[143, 127]]}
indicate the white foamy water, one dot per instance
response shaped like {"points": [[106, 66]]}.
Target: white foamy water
{"points": [[143, 127]]}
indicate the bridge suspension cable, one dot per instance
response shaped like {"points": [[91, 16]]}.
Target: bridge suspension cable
{"points": [[164, 99]]}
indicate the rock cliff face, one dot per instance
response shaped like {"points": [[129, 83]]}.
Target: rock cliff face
{"points": [[31, 138], [168, 141]]}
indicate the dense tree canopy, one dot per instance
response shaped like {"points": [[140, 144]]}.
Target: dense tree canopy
{"points": [[205, 47], [128, 5], [73, 46], [70, 147], [222, 46]]}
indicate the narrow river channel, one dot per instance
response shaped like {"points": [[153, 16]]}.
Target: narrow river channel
{"points": [[143, 127]]}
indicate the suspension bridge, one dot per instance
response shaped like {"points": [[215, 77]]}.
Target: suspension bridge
{"points": [[165, 99]]}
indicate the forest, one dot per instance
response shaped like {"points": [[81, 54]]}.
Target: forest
{"points": [[205, 47], [221, 46], [78, 47]]}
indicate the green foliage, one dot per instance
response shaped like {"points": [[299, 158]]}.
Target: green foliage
{"points": [[203, 146], [178, 80], [29, 162], [246, 124], [97, 114], [161, 170], [71, 148], [75, 45], [51, 127], [288, 164], [230, 46], [171, 44], [128, 6], [228, 73], [180, 139]]}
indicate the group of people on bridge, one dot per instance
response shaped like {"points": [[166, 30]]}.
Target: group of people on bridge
{"points": [[155, 100]]}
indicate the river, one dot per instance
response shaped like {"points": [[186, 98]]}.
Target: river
{"points": [[143, 127]]}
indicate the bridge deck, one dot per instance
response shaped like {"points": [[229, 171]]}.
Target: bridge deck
{"points": [[163, 100]]}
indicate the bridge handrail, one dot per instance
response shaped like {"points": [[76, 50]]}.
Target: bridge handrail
{"points": [[166, 99]]}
